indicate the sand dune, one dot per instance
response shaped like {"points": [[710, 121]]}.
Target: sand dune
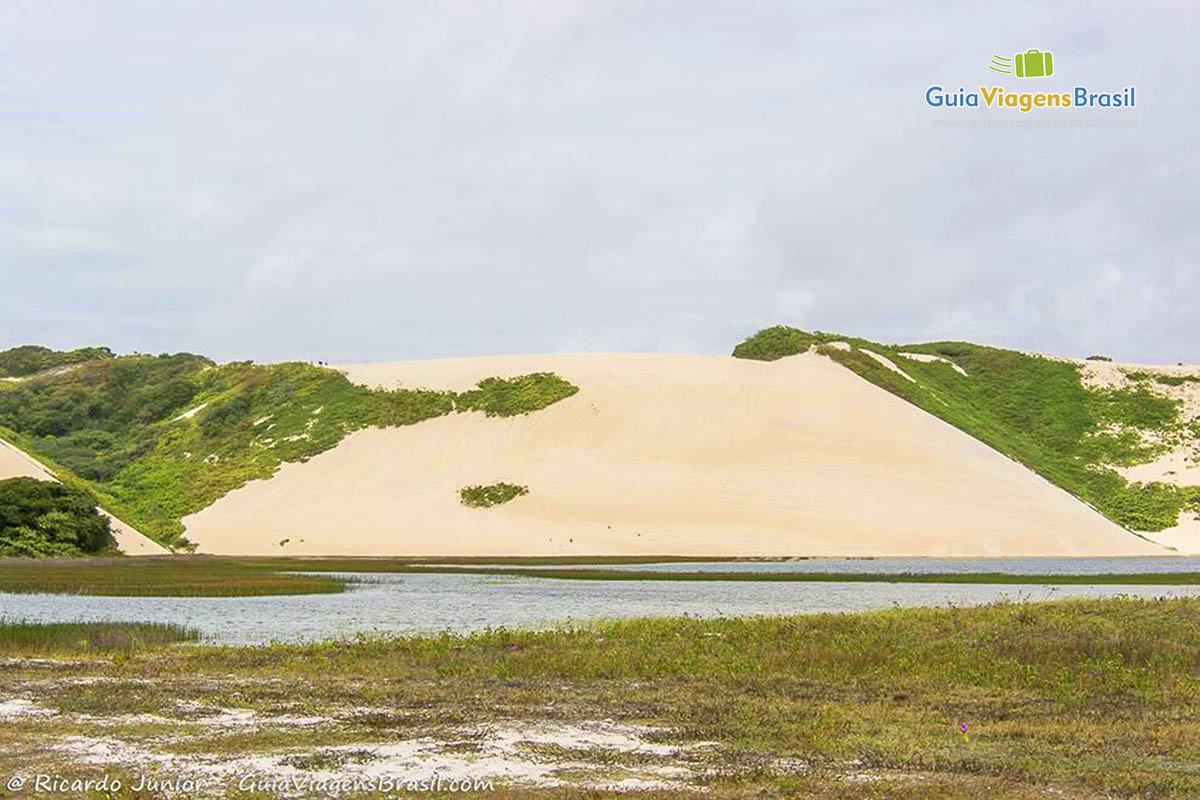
{"points": [[15, 463], [662, 454]]}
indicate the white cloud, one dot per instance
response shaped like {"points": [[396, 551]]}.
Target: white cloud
{"points": [[270, 180]]}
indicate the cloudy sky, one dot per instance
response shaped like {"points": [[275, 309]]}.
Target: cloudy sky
{"points": [[275, 179]]}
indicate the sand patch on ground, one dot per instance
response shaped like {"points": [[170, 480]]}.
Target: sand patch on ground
{"points": [[15, 708], [662, 454], [600, 754], [16, 463], [191, 412], [1180, 466], [887, 362], [929, 359]]}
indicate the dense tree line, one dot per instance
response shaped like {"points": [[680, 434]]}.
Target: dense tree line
{"points": [[44, 518]]}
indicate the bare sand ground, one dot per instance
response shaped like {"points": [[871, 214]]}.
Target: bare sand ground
{"points": [[662, 454], [15, 463]]}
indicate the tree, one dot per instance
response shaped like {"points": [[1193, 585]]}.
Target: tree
{"points": [[44, 518]]}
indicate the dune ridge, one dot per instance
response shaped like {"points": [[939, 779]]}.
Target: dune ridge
{"points": [[662, 454]]}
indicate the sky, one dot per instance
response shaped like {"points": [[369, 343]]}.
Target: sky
{"points": [[280, 179]]}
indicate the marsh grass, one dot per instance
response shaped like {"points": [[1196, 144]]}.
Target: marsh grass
{"points": [[1074, 698], [216, 576], [1105, 579], [157, 576], [45, 639]]}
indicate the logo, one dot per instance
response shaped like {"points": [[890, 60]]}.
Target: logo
{"points": [[1033, 63], [1030, 64]]}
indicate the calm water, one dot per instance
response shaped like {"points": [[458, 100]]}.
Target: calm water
{"points": [[463, 603]]}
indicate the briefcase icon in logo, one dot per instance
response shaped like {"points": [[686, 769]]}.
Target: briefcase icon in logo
{"points": [[1035, 64]]}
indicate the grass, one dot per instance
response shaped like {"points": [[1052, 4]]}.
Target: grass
{"points": [[157, 576], [1165, 380], [156, 438], [1082, 699], [385, 564], [30, 639], [214, 576], [1033, 409], [1106, 579], [491, 495]]}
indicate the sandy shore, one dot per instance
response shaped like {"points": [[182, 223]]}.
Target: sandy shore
{"points": [[15, 463], [662, 454]]}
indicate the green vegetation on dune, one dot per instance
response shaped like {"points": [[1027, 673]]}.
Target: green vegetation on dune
{"points": [[500, 397], [99, 418], [44, 518], [160, 437], [491, 495], [1033, 409], [30, 359]]}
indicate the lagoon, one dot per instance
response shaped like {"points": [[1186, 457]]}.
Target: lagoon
{"points": [[397, 604]]}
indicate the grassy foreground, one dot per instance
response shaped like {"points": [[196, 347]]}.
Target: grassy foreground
{"points": [[1080, 699]]}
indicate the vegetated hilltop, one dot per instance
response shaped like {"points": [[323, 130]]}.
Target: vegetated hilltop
{"points": [[1073, 423], [29, 359], [159, 437]]}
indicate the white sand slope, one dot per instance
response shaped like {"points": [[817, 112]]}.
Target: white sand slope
{"points": [[16, 463], [662, 454]]}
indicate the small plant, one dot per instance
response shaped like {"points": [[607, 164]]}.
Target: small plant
{"points": [[1176, 380], [491, 495], [1098, 358], [508, 397]]}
